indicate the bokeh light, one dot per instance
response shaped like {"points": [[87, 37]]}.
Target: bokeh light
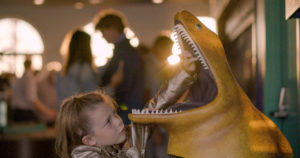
{"points": [[173, 59], [103, 51]]}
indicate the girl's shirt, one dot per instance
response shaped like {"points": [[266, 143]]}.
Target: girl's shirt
{"points": [[113, 151]]}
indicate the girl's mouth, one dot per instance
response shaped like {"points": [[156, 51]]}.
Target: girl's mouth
{"points": [[123, 130]]}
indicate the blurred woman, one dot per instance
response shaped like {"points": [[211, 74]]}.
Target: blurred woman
{"points": [[78, 73]]}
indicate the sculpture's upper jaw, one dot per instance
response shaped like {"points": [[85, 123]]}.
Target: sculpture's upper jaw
{"points": [[204, 44]]}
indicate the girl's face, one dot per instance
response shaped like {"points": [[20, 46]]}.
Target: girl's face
{"points": [[107, 127]]}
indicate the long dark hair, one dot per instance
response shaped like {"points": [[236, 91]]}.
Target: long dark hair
{"points": [[78, 50]]}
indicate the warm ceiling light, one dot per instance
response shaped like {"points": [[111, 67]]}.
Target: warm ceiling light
{"points": [[38, 2], [78, 5], [157, 1], [95, 1]]}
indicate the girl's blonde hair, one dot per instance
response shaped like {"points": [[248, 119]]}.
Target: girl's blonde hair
{"points": [[73, 123]]}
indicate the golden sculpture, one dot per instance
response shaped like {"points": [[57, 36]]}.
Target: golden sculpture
{"points": [[227, 126]]}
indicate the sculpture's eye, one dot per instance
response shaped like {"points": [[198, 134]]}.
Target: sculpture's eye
{"points": [[198, 26]]}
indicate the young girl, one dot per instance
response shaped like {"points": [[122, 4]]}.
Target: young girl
{"points": [[89, 127], [90, 122]]}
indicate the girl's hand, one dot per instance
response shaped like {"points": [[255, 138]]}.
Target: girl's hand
{"points": [[140, 133]]}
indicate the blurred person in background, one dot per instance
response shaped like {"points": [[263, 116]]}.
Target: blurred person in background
{"points": [[79, 74], [157, 72], [6, 80], [25, 102], [157, 68], [46, 87], [129, 94]]}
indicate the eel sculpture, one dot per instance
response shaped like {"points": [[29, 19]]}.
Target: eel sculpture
{"points": [[217, 119]]}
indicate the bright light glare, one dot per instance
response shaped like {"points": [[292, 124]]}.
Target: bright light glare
{"points": [[38, 2], [157, 1], [18, 36], [100, 47], [28, 39], [19, 68], [6, 34], [173, 59], [129, 33], [102, 50], [37, 62], [89, 28], [173, 36], [99, 61], [209, 22], [175, 49], [134, 42], [19, 61]]}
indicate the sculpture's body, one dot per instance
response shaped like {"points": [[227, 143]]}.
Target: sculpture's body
{"points": [[228, 126]]}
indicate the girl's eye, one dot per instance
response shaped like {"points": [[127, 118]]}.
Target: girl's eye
{"points": [[108, 122]]}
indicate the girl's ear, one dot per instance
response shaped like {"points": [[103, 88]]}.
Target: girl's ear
{"points": [[88, 140]]}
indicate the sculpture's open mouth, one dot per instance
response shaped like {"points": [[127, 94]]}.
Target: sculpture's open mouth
{"points": [[204, 89], [185, 42]]}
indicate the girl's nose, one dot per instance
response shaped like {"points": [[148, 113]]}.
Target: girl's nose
{"points": [[118, 121]]}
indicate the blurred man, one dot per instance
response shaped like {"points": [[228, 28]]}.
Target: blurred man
{"points": [[25, 102], [129, 94]]}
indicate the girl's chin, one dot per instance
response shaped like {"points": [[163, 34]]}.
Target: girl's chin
{"points": [[122, 137]]}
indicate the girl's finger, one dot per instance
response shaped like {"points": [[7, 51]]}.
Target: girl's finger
{"points": [[191, 60], [186, 55]]}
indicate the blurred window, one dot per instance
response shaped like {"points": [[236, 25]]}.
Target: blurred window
{"points": [[19, 39]]}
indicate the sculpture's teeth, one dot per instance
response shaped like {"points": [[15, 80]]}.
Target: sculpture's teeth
{"points": [[154, 112], [180, 31]]}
